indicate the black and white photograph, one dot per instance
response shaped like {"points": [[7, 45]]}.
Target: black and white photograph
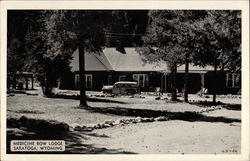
{"points": [[124, 81]]}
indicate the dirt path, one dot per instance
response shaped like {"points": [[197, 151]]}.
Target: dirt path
{"points": [[173, 137]]}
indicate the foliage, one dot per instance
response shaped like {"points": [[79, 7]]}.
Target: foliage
{"points": [[15, 45], [172, 34], [46, 52], [127, 27], [219, 36], [219, 42], [197, 36], [87, 28], [172, 29]]}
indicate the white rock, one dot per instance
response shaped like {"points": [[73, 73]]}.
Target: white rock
{"points": [[106, 125], [117, 122], [98, 126], [147, 119], [161, 118], [138, 119]]}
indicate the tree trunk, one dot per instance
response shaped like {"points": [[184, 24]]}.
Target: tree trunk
{"points": [[43, 88], [83, 98], [173, 82], [48, 85], [186, 81], [214, 84]]}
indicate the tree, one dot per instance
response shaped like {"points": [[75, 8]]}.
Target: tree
{"points": [[172, 33], [127, 27], [15, 40], [228, 29], [159, 47], [27, 39], [183, 34], [46, 52], [201, 37], [87, 29], [219, 42], [53, 38]]}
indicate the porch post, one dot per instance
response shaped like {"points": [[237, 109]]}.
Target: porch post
{"points": [[162, 83], [165, 75], [32, 82], [202, 81], [26, 82]]}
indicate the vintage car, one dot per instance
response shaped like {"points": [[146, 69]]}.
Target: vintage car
{"points": [[123, 88]]}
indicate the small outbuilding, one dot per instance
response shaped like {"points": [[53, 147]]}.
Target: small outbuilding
{"points": [[20, 80]]}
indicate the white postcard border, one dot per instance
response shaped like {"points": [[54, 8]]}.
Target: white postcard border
{"points": [[241, 5]]}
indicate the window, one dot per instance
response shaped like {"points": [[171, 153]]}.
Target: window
{"points": [[110, 80], [141, 79], [237, 80], [77, 81], [88, 81], [229, 80], [122, 77], [233, 80]]}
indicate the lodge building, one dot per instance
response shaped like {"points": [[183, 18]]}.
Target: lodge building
{"points": [[110, 66]]}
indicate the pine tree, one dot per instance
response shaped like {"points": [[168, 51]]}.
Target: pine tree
{"points": [[219, 42], [173, 35], [87, 28]]}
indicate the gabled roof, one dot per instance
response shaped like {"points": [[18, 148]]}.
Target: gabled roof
{"points": [[112, 60], [93, 62], [130, 61]]}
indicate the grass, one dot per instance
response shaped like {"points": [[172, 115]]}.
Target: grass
{"points": [[68, 111]]}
